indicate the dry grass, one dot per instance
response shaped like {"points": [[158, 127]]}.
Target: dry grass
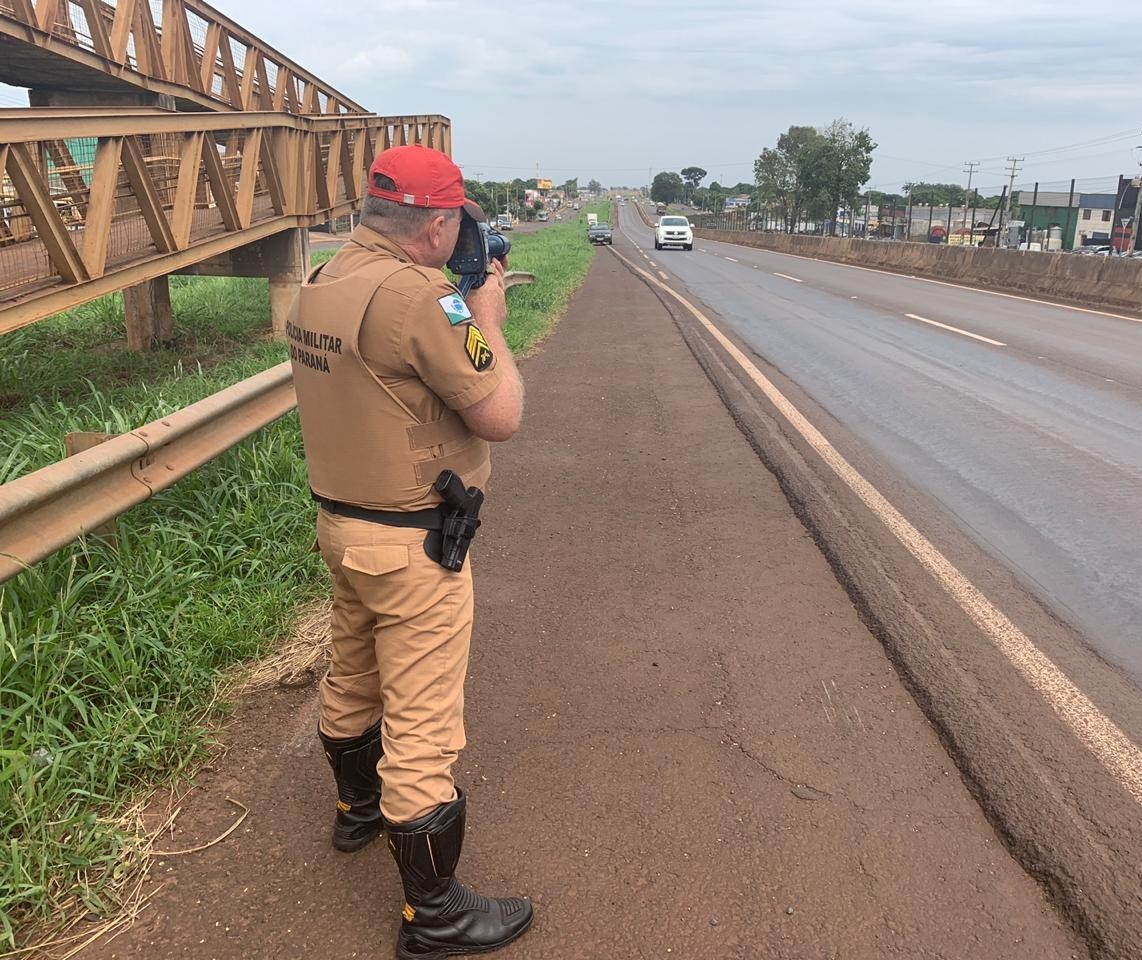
{"points": [[298, 662]]}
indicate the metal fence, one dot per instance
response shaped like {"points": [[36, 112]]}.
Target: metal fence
{"points": [[1088, 213]]}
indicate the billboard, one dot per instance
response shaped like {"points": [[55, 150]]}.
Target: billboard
{"points": [[543, 184]]}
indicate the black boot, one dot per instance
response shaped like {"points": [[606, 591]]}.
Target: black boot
{"points": [[354, 762], [441, 916]]}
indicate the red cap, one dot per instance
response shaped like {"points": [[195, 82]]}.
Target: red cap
{"points": [[424, 178]]}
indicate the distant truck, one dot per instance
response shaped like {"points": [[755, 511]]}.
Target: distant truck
{"points": [[592, 219], [504, 221], [660, 209]]}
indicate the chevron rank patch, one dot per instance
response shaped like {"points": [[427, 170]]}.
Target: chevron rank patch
{"points": [[455, 309], [477, 348]]}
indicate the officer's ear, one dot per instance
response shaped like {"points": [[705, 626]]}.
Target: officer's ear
{"points": [[438, 228]]}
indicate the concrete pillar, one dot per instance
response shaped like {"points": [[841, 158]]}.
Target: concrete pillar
{"points": [[147, 309], [288, 266], [282, 257]]}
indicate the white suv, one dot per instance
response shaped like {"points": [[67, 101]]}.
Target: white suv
{"points": [[671, 231]]}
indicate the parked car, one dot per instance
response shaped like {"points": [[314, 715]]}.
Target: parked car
{"points": [[600, 233], [673, 231]]}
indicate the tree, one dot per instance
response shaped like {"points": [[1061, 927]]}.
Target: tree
{"points": [[836, 168], [666, 188], [940, 194], [692, 176], [594, 186], [779, 173], [815, 172], [482, 194], [570, 189]]}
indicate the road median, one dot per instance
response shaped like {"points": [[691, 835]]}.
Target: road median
{"points": [[1099, 282]]}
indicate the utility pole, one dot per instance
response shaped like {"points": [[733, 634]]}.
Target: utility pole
{"points": [[1135, 245], [969, 169], [1013, 169]]}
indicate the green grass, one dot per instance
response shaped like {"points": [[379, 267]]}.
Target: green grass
{"points": [[559, 256], [110, 657]]}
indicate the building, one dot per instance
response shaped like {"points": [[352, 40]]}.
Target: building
{"points": [[1096, 219], [739, 202], [1047, 209]]}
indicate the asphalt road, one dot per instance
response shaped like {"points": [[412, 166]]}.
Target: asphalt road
{"points": [[970, 464], [1026, 425]]}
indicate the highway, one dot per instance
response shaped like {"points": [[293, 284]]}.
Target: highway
{"points": [[1023, 420]]}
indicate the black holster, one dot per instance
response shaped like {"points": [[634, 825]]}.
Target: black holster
{"points": [[449, 546]]}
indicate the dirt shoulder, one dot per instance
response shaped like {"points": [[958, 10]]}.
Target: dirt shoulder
{"points": [[682, 740]]}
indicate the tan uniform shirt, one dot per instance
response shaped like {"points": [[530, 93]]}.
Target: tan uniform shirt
{"points": [[378, 391]]}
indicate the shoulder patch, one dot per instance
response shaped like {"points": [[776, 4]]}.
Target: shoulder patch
{"points": [[477, 348], [455, 309]]}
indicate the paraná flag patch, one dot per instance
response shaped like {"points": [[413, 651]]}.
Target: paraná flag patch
{"points": [[455, 309]]}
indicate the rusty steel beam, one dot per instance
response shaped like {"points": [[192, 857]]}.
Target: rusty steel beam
{"points": [[24, 125], [22, 313], [49, 508], [50, 52], [172, 188]]}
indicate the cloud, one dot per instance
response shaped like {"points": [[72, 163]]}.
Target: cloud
{"points": [[609, 87]]}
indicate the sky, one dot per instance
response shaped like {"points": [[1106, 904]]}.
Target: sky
{"points": [[616, 89]]}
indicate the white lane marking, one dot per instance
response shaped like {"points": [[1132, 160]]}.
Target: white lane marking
{"points": [[645, 257], [785, 276], [958, 286], [703, 250], [651, 262], [945, 326], [1101, 735], [731, 259], [663, 275]]}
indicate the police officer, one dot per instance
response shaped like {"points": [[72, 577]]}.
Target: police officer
{"points": [[398, 379]]}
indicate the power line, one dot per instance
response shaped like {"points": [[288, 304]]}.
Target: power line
{"points": [[1013, 169]]}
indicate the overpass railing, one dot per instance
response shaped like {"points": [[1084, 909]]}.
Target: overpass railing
{"points": [[181, 48], [94, 201]]}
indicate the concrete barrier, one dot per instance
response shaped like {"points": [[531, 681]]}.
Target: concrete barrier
{"points": [[1086, 281]]}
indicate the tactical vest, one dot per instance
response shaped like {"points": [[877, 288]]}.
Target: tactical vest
{"points": [[363, 444]]}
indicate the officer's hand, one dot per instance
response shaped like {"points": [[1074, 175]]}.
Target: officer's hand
{"points": [[488, 304]]}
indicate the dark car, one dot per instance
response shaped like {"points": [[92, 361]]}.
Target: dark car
{"points": [[600, 233]]}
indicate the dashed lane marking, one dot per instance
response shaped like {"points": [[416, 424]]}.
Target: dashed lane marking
{"points": [[651, 262], [958, 286], [731, 259], [663, 275], [946, 326], [785, 276], [1119, 755]]}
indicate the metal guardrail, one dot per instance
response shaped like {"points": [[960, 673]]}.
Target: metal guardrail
{"points": [[93, 201], [49, 508], [184, 49]]}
